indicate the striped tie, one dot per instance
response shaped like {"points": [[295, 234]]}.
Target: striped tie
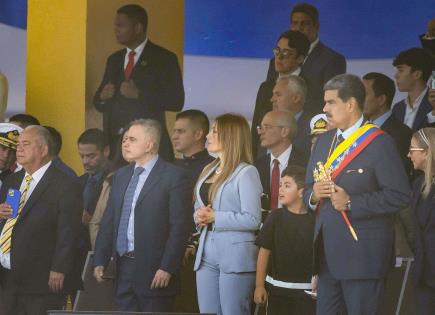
{"points": [[5, 241]]}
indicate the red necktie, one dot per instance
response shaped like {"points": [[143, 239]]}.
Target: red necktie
{"points": [[274, 185], [130, 65]]}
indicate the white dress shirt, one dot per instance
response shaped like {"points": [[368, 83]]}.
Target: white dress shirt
{"points": [[381, 119], [148, 166], [138, 50], [412, 109], [5, 259], [283, 161]]}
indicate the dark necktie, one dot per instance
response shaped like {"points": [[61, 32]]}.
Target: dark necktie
{"points": [[340, 139], [121, 242], [130, 65], [274, 185]]}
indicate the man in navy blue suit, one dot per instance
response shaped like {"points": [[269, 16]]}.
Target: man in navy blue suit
{"points": [[321, 63], [413, 69], [146, 224], [367, 186]]}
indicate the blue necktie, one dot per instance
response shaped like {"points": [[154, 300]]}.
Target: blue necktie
{"points": [[121, 242]]}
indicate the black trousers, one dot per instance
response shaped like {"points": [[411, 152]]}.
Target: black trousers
{"points": [[297, 305]]}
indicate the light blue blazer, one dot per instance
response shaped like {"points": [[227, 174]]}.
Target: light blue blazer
{"points": [[237, 209]]}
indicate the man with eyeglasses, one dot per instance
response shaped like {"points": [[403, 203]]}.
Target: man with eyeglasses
{"points": [[277, 132], [321, 63], [290, 51]]}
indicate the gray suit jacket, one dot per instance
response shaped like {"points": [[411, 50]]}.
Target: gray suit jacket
{"points": [[237, 208]]}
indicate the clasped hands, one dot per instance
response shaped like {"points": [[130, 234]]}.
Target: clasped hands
{"points": [[204, 216], [328, 189], [127, 89]]}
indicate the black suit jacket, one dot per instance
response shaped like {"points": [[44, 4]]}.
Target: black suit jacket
{"points": [[401, 134], [423, 210], [162, 224], [322, 64], [420, 121], [44, 236], [297, 157], [157, 75]]}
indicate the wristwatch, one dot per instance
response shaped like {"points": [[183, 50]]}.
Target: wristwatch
{"points": [[348, 204]]}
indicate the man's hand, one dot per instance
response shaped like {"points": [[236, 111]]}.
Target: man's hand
{"points": [[5, 211], [431, 98], [107, 92], [188, 254], [321, 190], [314, 285], [339, 199], [161, 279], [129, 90], [86, 217], [55, 281], [260, 295], [98, 273]]}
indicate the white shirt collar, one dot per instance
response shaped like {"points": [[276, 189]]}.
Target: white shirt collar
{"points": [[346, 133], [312, 46], [139, 49], [148, 166], [286, 75], [282, 158], [417, 101], [37, 175], [382, 119]]}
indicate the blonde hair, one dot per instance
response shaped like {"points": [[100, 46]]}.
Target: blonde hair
{"points": [[425, 138], [234, 138]]}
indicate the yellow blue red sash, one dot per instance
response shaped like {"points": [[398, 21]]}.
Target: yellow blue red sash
{"points": [[346, 151]]}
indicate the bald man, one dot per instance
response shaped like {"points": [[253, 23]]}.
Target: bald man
{"points": [[277, 132]]}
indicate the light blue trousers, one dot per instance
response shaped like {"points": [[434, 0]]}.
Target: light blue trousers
{"points": [[219, 292]]}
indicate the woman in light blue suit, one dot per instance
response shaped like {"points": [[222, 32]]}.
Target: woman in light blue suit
{"points": [[228, 211]]}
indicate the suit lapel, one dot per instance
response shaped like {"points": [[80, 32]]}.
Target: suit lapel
{"points": [[37, 192], [420, 118], [152, 179], [119, 70], [201, 181], [143, 60]]}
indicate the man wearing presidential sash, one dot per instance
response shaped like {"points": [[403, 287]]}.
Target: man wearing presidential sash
{"points": [[356, 183]]}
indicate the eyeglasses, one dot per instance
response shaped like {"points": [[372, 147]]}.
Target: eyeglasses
{"points": [[285, 53], [266, 127], [416, 149]]}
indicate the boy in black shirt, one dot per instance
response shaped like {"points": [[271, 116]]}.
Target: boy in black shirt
{"points": [[285, 258]]}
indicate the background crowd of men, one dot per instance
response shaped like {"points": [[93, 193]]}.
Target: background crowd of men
{"points": [[133, 204]]}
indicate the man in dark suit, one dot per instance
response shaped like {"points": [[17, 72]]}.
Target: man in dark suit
{"points": [[94, 153], [413, 69], [321, 64], [290, 52], [37, 247], [146, 224], [368, 186], [141, 81], [190, 128], [380, 92], [277, 132]]}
